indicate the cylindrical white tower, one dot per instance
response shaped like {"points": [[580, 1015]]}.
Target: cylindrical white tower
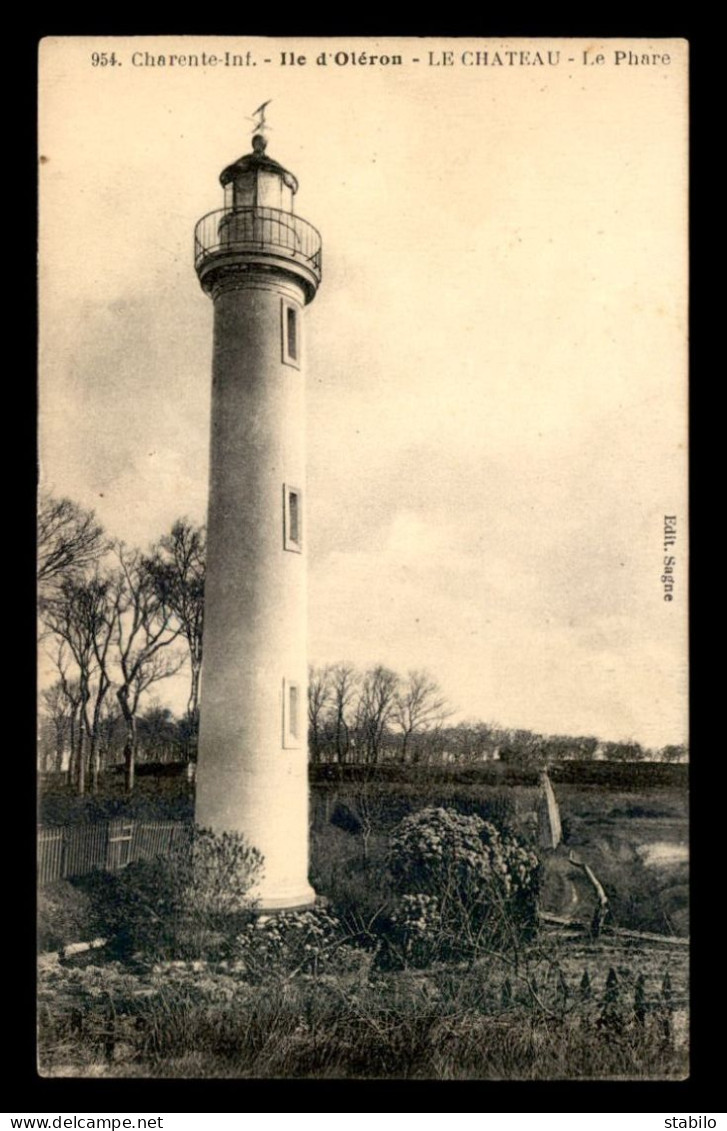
{"points": [[261, 264]]}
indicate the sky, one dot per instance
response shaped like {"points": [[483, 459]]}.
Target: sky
{"points": [[495, 361]]}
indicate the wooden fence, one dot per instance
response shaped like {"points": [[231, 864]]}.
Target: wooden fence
{"points": [[75, 850]]}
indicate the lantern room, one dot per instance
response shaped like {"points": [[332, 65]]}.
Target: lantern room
{"points": [[257, 228], [256, 181]]}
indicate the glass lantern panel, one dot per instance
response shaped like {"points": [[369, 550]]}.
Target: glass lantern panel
{"points": [[270, 191], [244, 191]]}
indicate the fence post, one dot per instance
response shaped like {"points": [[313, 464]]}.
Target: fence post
{"points": [[119, 844]]}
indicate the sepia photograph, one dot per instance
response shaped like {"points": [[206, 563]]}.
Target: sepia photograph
{"points": [[362, 558]]}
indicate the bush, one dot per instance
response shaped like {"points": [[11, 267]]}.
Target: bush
{"points": [[464, 886], [292, 942], [187, 904], [63, 916]]}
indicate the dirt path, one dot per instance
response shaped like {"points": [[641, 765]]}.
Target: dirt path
{"points": [[566, 892]]}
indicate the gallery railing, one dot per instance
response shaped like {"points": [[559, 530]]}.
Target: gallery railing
{"points": [[258, 230]]}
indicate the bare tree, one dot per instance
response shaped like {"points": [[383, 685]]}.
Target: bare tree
{"points": [[674, 753], [523, 748], [582, 748], [59, 711], [72, 692], [623, 751], [145, 627], [344, 684], [362, 794], [473, 741], [419, 705], [375, 709], [101, 611], [69, 540], [178, 568], [563, 747], [110, 728], [81, 614], [319, 695], [66, 615]]}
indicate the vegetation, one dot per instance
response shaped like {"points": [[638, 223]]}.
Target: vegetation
{"points": [[192, 985], [596, 823], [200, 1019], [64, 916], [185, 904], [427, 957], [463, 886], [178, 569], [70, 541], [116, 622]]}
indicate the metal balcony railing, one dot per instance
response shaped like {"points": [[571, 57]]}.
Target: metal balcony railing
{"points": [[261, 230]]}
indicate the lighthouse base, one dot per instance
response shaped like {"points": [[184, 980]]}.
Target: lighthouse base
{"points": [[300, 900]]}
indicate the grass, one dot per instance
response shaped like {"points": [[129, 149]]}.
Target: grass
{"points": [[441, 1024]]}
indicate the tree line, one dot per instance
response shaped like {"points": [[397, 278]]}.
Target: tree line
{"points": [[117, 621], [375, 715]]}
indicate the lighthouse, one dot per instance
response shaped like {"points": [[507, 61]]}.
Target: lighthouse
{"points": [[261, 265]]}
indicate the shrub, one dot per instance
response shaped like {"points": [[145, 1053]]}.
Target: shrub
{"points": [[290, 942], [153, 799], [63, 916], [357, 895], [186, 904], [463, 886]]}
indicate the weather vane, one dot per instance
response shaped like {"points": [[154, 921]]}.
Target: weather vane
{"points": [[258, 117]]}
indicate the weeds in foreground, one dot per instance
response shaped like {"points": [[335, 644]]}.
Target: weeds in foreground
{"points": [[391, 992], [446, 1023]]}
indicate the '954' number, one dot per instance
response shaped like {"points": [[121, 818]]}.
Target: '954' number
{"points": [[104, 59]]}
